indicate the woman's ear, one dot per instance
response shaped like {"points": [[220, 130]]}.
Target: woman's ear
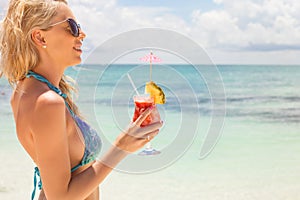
{"points": [[38, 38]]}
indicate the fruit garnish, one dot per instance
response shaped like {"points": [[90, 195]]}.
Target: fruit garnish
{"points": [[156, 92]]}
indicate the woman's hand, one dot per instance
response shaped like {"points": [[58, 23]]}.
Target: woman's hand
{"points": [[135, 137]]}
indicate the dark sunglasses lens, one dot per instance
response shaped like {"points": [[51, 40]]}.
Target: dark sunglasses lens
{"points": [[73, 27]]}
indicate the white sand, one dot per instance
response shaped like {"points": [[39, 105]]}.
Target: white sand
{"points": [[178, 182], [242, 167]]}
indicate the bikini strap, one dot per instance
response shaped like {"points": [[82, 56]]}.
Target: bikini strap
{"points": [[35, 182], [52, 87], [44, 80]]}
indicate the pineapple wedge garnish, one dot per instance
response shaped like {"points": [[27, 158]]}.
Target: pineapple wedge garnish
{"points": [[156, 92]]}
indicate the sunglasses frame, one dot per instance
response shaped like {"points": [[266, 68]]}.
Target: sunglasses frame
{"points": [[74, 24]]}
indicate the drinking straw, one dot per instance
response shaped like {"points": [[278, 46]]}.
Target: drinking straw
{"points": [[132, 83], [151, 66]]}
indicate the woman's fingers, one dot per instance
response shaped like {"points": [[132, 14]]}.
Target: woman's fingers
{"points": [[149, 136], [142, 132], [143, 116], [136, 137]]}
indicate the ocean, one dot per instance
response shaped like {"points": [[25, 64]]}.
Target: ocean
{"points": [[230, 132]]}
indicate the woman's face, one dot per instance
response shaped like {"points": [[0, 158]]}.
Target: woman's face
{"points": [[62, 47]]}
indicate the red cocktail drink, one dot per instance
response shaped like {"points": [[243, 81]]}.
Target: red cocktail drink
{"points": [[142, 102]]}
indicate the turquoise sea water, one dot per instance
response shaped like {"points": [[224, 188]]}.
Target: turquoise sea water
{"points": [[256, 156]]}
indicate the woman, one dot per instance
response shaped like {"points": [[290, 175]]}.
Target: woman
{"points": [[39, 39]]}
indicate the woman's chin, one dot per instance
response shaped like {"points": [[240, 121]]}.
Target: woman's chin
{"points": [[76, 62]]}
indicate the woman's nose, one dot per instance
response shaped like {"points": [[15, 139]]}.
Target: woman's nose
{"points": [[82, 35]]}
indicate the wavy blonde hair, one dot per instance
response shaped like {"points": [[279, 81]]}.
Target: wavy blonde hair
{"points": [[17, 49]]}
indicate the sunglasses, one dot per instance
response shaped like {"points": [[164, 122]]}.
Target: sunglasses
{"points": [[72, 24]]}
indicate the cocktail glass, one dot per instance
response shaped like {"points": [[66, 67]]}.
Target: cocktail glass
{"points": [[142, 102]]}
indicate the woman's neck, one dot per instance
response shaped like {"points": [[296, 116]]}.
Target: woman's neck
{"points": [[52, 73]]}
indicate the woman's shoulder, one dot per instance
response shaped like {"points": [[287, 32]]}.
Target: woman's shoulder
{"points": [[49, 103], [49, 98], [48, 112], [38, 101], [26, 100]]}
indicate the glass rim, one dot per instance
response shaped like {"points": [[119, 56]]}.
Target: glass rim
{"points": [[143, 97]]}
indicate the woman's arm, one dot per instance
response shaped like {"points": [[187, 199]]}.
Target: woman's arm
{"points": [[52, 156], [48, 128], [132, 140]]}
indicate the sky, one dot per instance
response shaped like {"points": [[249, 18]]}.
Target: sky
{"points": [[230, 31]]}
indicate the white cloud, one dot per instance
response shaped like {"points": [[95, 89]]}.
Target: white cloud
{"points": [[249, 26], [103, 20], [95, 4], [218, 1], [3, 6], [237, 25], [243, 25], [216, 27]]}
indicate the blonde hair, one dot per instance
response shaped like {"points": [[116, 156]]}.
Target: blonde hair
{"points": [[17, 49]]}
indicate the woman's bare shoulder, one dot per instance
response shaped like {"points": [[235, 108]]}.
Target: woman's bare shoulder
{"points": [[48, 105], [49, 99], [28, 96]]}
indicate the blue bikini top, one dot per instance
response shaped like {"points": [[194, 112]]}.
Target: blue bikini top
{"points": [[91, 138]]}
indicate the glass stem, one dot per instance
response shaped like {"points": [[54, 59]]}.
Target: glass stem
{"points": [[148, 145]]}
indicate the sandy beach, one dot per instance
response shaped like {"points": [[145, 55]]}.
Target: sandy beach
{"points": [[231, 172]]}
